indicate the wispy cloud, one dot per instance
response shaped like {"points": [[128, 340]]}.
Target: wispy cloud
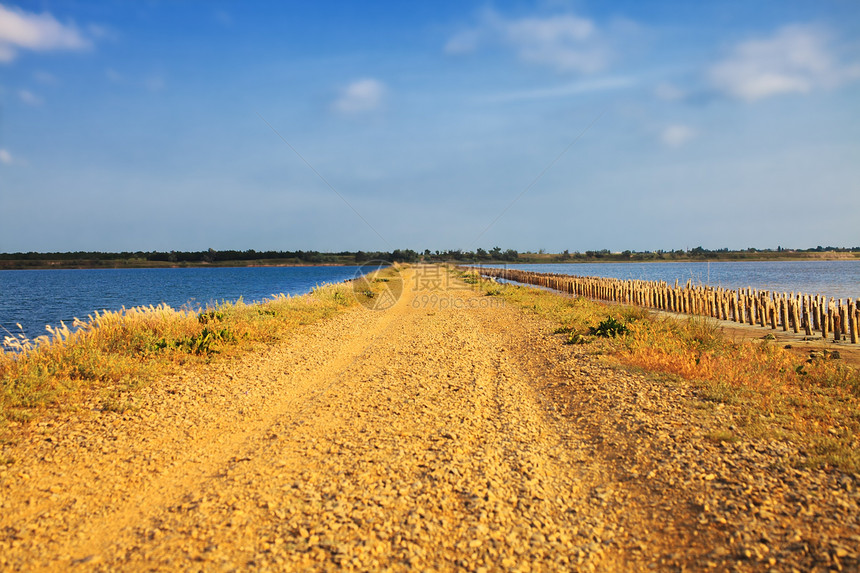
{"points": [[98, 32], [20, 30], [44, 78], [796, 59], [5, 157], [669, 92], [567, 90], [463, 42], [564, 42], [677, 135], [360, 96], [153, 83], [30, 98]]}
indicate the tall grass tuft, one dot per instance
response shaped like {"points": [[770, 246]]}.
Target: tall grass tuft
{"points": [[127, 348]]}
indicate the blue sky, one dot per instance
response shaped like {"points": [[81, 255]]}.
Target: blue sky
{"points": [[146, 125]]}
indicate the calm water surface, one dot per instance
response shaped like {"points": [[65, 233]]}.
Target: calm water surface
{"points": [[35, 298], [838, 279]]}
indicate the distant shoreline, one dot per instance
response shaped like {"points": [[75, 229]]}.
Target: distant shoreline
{"points": [[572, 261], [728, 257], [525, 259], [61, 265], [19, 261]]}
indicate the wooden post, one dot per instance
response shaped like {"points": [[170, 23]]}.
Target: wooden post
{"points": [[852, 321], [807, 315], [741, 308], [816, 323], [835, 311], [825, 325], [782, 309], [736, 308], [754, 308], [750, 308], [856, 321], [795, 310]]}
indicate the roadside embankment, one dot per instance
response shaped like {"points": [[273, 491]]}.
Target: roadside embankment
{"points": [[795, 311], [451, 429]]}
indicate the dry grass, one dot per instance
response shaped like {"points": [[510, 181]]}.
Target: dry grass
{"points": [[120, 351], [775, 393]]}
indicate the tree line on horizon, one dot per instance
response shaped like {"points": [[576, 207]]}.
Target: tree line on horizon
{"points": [[212, 256], [311, 257]]}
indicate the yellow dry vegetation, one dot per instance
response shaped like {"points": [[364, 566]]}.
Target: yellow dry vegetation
{"points": [[777, 394], [120, 351]]}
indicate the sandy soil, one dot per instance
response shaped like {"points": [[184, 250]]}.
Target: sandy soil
{"points": [[448, 432]]}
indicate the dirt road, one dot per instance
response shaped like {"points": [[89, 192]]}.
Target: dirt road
{"points": [[448, 432]]}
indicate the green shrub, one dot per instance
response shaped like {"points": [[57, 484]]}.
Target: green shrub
{"points": [[610, 328]]}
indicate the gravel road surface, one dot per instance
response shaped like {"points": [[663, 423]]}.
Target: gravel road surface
{"points": [[449, 432]]}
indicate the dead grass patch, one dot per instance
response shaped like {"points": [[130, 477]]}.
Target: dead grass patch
{"points": [[776, 394]]}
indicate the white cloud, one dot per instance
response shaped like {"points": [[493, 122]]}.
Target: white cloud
{"points": [[30, 98], [564, 42], [38, 32], [360, 96], [797, 59], [5, 157], [559, 42], [677, 135]]}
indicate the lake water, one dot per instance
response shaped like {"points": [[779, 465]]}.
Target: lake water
{"points": [[35, 298], [838, 279]]}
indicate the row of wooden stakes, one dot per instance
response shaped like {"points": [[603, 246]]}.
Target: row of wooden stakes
{"points": [[797, 312]]}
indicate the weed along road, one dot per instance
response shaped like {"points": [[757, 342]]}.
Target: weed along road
{"points": [[442, 430]]}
